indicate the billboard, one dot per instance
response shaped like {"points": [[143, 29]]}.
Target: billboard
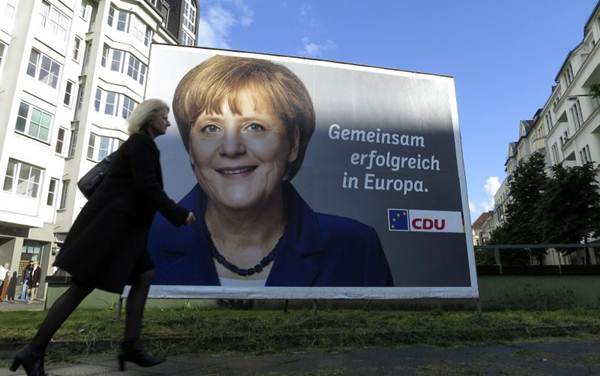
{"points": [[309, 179]]}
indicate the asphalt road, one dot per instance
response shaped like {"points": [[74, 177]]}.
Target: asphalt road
{"points": [[548, 357]]}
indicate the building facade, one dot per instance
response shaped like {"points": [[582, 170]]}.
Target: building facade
{"points": [[482, 228], [71, 72], [566, 130]]}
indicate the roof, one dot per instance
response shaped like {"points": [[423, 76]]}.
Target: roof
{"points": [[591, 18], [482, 219]]}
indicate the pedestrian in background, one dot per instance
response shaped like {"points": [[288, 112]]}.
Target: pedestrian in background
{"points": [[26, 277], [12, 288], [3, 271], [34, 283], [106, 246], [5, 277]]}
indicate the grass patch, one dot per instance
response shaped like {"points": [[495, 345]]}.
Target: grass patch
{"points": [[192, 329]]}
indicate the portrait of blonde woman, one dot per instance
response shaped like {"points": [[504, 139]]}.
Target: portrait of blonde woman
{"points": [[246, 124]]}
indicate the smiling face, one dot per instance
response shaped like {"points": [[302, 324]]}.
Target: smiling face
{"points": [[240, 159]]}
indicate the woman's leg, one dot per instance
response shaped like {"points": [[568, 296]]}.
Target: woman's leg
{"points": [[131, 348], [135, 305], [58, 313]]}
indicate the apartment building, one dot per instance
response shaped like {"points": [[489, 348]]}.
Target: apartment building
{"points": [[566, 130], [71, 72], [482, 228]]}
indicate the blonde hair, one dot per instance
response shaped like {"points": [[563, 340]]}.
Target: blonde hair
{"points": [[144, 113], [204, 88]]}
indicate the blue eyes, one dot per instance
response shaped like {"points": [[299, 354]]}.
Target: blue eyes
{"points": [[209, 128], [255, 127], [213, 128]]}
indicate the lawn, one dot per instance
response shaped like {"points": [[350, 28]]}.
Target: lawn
{"points": [[193, 329]]}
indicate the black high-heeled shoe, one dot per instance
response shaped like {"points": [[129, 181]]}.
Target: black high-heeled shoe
{"points": [[133, 351], [31, 360]]}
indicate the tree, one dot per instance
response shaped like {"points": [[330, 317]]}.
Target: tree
{"points": [[521, 224], [569, 209]]}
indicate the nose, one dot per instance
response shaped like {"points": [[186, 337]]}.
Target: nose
{"points": [[232, 145]]}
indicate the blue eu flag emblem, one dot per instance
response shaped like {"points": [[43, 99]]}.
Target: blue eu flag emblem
{"points": [[398, 219]]}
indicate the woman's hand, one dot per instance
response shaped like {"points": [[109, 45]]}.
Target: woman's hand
{"points": [[191, 218]]}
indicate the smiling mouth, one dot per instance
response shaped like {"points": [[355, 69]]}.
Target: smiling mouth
{"points": [[236, 171]]}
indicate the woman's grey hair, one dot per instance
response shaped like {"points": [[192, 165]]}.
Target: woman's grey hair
{"points": [[144, 113]]}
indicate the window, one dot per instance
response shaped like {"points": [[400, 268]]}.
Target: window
{"points": [[60, 140], [52, 191], [32, 247], [98, 99], [116, 60], [136, 69], [83, 10], [189, 16], [77, 48], [54, 20], [133, 69], [555, 153], [122, 20], [121, 59], [111, 15], [126, 21], [585, 155], [148, 36], [187, 39], [44, 13], [27, 178], [80, 94], [99, 147], [569, 74], [33, 122], [63, 194], [105, 51], [137, 28], [548, 118], [564, 138], [142, 74], [91, 144], [72, 144], [576, 114], [9, 10], [59, 23], [2, 50], [109, 107], [113, 103], [128, 105], [68, 93], [43, 68]]}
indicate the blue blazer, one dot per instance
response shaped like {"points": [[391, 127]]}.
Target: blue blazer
{"points": [[315, 250]]}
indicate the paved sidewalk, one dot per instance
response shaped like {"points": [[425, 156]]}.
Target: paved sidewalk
{"points": [[572, 358], [36, 305]]}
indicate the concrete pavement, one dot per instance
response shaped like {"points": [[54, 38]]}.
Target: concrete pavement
{"points": [[17, 305], [550, 357]]}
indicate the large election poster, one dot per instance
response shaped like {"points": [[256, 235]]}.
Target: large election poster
{"points": [[308, 179]]}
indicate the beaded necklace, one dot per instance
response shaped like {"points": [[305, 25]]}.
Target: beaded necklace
{"points": [[234, 268]]}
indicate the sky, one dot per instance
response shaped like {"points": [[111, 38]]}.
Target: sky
{"points": [[503, 54]]}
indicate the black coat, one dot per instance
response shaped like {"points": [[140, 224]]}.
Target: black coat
{"points": [[36, 275], [108, 239]]}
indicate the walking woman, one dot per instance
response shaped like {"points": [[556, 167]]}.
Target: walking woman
{"points": [[106, 246]]}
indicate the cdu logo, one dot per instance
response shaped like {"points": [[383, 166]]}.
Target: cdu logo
{"points": [[415, 220], [398, 220]]}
